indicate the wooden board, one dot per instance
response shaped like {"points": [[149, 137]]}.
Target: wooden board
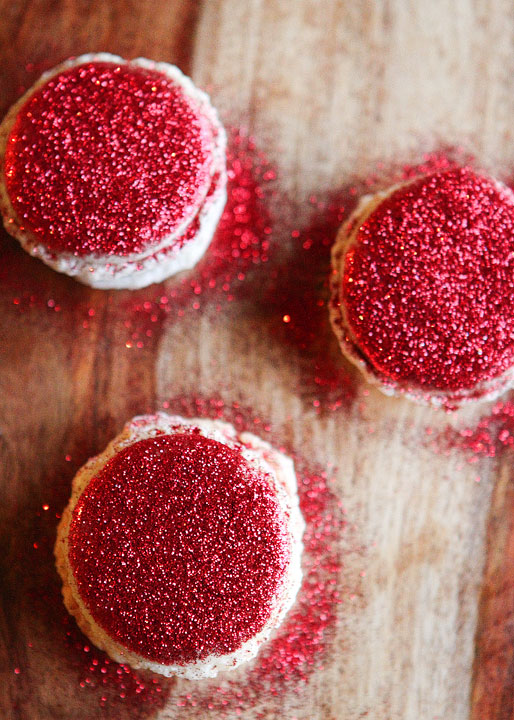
{"points": [[333, 92]]}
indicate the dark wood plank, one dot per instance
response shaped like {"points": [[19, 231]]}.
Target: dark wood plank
{"points": [[493, 691]]}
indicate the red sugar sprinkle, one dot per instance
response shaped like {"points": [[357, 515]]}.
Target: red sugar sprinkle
{"points": [[116, 683], [107, 158], [428, 287], [179, 531], [285, 664], [490, 437]]}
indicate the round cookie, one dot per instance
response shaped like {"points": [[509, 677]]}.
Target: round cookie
{"points": [[423, 288], [180, 548], [113, 171]]}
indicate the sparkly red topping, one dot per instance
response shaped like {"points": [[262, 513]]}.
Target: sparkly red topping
{"points": [[107, 158], [179, 548], [429, 285]]}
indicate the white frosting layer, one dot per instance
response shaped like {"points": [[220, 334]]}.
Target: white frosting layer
{"points": [[260, 455], [156, 262]]}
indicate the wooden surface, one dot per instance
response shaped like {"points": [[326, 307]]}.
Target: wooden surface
{"points": [[329, 90]]}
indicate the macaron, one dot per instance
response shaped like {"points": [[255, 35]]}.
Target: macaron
{"points": [[113, 171], [422, 288], [180, 548]]}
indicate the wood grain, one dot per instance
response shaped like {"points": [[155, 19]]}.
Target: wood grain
{"points": [[328, 90], [493, 690]]}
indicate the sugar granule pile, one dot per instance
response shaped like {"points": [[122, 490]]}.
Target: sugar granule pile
{"points": [[296, 651]]}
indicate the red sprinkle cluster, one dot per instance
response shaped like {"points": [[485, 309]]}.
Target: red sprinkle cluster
{"points": [[492, 435], [179, 548], [107, 158], [429, 285], [298, 647], [114, 681]]}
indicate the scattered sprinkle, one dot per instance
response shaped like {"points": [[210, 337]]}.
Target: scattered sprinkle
{"points": [[490, 437]]}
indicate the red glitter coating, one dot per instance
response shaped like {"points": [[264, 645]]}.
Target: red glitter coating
{"points": [[179, 548], [107, 159], [429, 285]]}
